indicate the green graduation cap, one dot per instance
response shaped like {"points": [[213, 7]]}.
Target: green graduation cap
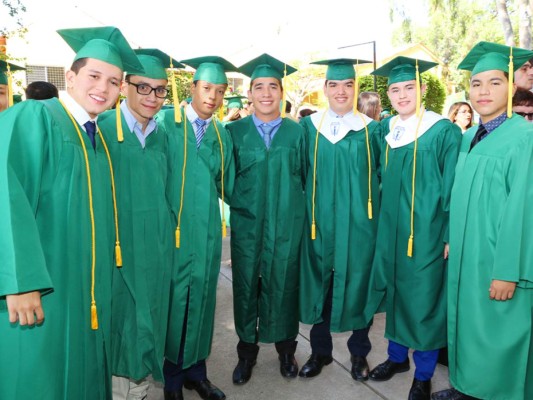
{"points": [[402, 69], [486, 56], [155, 63], [211, 69], [4, 68], [340, 69], [266, 66], [234, 101], [102, 43]]}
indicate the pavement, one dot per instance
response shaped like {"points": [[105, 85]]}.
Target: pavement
{"points": [[335, 381]]}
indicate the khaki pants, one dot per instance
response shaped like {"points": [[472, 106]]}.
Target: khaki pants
{"points": [[126, 389]]}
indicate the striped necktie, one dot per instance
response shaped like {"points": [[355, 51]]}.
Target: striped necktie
{"points": [[200, 130]]}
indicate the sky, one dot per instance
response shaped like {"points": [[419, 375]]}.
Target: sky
{"points": [[236, 30]]}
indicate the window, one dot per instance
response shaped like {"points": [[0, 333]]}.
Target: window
{"points": [[54, 75]]}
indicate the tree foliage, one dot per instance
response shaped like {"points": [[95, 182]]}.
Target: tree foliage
{"points": [[15, 10]]}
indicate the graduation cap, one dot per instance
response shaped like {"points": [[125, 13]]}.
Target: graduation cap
{"points": [[5, 78], [266, 66], [102, 43], [486, 56], [234, 101], [211, 69], [340, 69]]}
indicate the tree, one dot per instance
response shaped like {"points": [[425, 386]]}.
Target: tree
{"points": [[15, 10], [301, 84]]}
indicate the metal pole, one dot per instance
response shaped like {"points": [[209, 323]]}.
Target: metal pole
{"points": [[374, 45]]}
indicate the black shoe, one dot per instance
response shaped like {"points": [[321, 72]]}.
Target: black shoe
{"points": [[314, 365], [451, 394], [420, 390], [205, 389], [359, 368], [175, 395], [386, 370], [243, 371], [288, 367]]}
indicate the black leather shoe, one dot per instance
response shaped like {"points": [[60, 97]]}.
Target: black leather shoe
{"points": [[175, 395], [243, 371], [451, 394], [360, 368], [386, 370], [420, 390], [314, 365], [205, 389], [288, 367]]}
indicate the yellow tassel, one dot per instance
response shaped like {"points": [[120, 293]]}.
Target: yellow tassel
{"points": [[313, 231], [9, 88], [410, 247], [177, 111], [118, 255], [224, 229], [510, 93], [369, 209], [418, 94], [221, 113], [178, 236], [94, 317], [120, 134]]}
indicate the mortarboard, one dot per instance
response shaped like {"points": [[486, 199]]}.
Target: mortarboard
{"points": [[211, 69], [5, 78], [234, 101], [102, 43], [402, 69]]}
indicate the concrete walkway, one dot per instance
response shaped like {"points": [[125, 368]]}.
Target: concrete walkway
{"points": [[335, 381]]}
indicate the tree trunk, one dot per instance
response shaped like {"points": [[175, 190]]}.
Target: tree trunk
{"points": [[503, 16], [524, 10]]}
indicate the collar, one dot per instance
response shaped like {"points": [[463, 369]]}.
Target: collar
{"points": [[193, 116], [404, 132], [78, 112], [274, 123], [494, 123], [132, 122]]}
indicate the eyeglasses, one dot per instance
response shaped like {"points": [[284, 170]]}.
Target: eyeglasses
{"points": [[528, 116], [145, 89]]}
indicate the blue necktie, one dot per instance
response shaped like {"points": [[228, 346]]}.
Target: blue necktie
{"points": [[90, 128], [200, 130], [267, 134]]}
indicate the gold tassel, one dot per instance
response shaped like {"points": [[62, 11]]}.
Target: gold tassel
{"points": [[120, 134], [118, 255], [224, 229], [313, 231], [510, 93], [418, 94], [369, 209], [9, 88], [410, 246], [284, 98], [221, 113], [178, 237], [177, 111], [94, 317]]}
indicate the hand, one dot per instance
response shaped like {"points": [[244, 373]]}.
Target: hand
{"points": [[446, 251], [501, 290], [25, 308]]}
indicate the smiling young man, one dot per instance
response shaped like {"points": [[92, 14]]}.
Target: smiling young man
{"points": [[141, 288], [490, 271], [418, 162], [56, 232], [266, 221], [342, 205], [200, 170]]}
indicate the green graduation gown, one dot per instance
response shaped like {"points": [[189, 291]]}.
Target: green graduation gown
{"points": [[345, 236], [491, 236], [414, 287], [267, 214], [141, 288], [196, 262], [45, 245]]}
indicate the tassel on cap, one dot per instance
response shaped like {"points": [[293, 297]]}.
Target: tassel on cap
{"points": [[9, 87], [175, 100], [120, 133], [418, 94], [510, 93]]}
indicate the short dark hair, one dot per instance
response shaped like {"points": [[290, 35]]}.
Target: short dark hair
{"points": [[41, 90], [78, 64], [523, 97]]}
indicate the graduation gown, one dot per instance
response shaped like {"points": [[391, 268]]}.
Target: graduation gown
{"points": [[141, 288], [267, 213], [413, 288], [345, 237], [46, 245], [491, 233], [196, 262]]}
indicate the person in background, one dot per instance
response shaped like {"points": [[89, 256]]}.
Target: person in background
{"points": [[341, 221], [41, 90], [141, 288], [490, 270], [57, 229], [386, 113], [235, 109], [6, 92], [523, 104], [409, 270], [266, 221], [370, 105], [461, 114], [201, 168], [523, 76], [304, 112]]}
